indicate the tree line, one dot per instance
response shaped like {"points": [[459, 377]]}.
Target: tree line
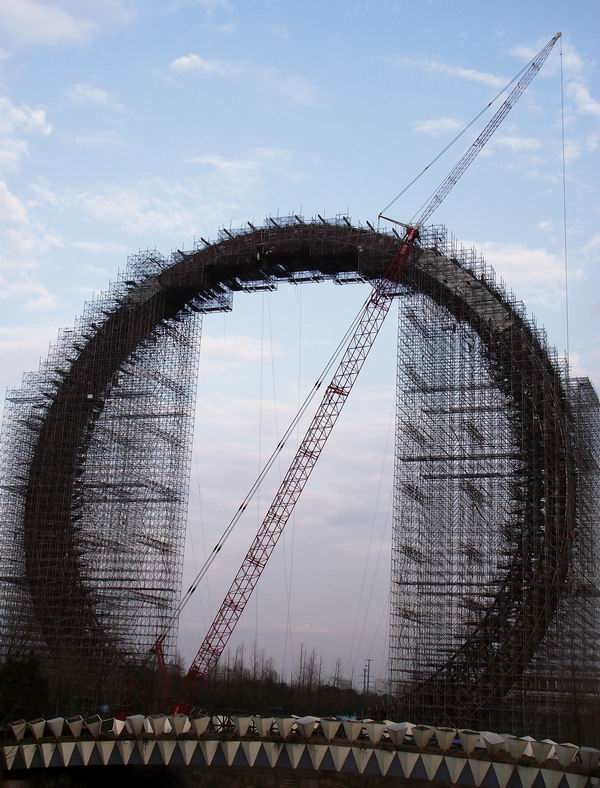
{"points": [[245, 680]]}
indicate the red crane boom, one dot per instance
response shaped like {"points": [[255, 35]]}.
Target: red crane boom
{"points": [[370, 320]]}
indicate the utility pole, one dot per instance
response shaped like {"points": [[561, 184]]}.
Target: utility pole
{"points": [[367, 675]]}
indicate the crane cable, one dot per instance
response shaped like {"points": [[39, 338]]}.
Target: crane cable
{"points": [[289, 581], [352, 655], [260, 442], [564, 196], [456, 138]]}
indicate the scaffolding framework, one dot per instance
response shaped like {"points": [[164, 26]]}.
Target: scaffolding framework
{"points": [[494, 598], [89, 599], [494, 443]]}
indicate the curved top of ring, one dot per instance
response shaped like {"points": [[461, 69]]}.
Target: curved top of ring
{"points": [[518, 616]]}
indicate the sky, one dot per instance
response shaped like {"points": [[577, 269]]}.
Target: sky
{"points": [[134, 124]]}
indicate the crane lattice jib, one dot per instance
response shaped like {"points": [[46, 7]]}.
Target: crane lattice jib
{"points": [[467, 159], [369, 323]]}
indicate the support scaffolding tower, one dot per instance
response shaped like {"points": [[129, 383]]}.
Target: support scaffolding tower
{"points": [[482, 451], [92, 624]]}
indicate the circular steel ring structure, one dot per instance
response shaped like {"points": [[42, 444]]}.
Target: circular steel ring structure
{"points": [[517, 618]]}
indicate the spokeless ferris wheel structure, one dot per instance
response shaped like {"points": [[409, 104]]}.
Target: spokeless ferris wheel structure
{"points": [[494, 477]]}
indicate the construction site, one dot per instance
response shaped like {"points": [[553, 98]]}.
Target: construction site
{"points": [[494, 579]]}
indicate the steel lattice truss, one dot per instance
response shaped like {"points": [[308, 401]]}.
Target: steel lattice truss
{"points": [[494, 475]]}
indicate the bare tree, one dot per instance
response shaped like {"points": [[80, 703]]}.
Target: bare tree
{"points": [[337, 673]]}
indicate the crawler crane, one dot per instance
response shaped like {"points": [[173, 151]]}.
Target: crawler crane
{"points": [[366, 328]]}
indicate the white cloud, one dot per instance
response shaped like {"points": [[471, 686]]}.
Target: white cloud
{"points": [[292, 86], [572, 60], [83, 94], [475, 76], [22, 245], [524, 52], [27, 289], [592, 141], [19, 118], [235, 348], [44, 195], [584, 101], [153, 207], [59, 21], [238, 170], [438, 67], [516, 143], [437, 125], [534, 273], [247, 170], [156, 206], [33, 21], [19, 247], [41, 299], [195, 63], [10, 152], [544, 226], [15, 120], [12, 210]]}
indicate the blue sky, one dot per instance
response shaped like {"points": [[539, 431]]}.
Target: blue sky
{"points": [[128, 125]]}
